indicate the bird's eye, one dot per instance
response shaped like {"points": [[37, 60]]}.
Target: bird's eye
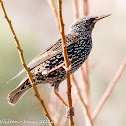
{"points": [[92, 19]]}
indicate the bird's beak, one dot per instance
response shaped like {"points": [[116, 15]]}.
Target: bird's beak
{"points": [[101, 17]]}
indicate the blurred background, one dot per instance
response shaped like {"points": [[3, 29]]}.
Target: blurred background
{"points": [[35, 27]]}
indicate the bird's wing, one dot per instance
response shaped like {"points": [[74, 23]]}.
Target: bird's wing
{"points": [[48, 53]]}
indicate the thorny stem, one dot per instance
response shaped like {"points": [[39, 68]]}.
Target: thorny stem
{"points": [[71, 123], [109, 89], [25, 66]]}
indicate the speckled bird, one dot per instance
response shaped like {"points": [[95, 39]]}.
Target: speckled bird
{"points": [[79, 45]]}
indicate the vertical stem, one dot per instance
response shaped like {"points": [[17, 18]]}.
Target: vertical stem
{"points": [[25, 66], [84, 68], [85, 7], [64, 46], [84, 102], [109, 89], [75, 9], [53, 8]]}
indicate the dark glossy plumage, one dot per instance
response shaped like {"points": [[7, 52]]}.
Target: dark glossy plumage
{"points": [[79, 45]]}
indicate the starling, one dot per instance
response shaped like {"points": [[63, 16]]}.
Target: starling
{"points": [[79, 45]]}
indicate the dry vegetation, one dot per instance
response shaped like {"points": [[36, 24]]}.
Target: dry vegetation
{"points": [[83, 96]]}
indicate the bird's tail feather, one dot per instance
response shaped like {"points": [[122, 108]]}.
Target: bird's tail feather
{"points": [[17, 93]]}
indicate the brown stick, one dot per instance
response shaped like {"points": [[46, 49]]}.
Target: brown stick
{"points": [[53, 8], [84, 103], [84, 106], [84, 68], [109, 89], [57, 23], [75, 9], [71, 123], [91, 67], [64, 119], [84, 78], [85, 7], [24, 64]]}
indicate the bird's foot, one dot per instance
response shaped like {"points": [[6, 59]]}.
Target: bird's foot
{"points": [[67, 68], [70, 112]]}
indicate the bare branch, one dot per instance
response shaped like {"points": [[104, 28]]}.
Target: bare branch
{"points": [[84, 68], [75, 9], [24, 64], [53, 8], [84, 76], [71, 123], [84, 106], [109, 89], [85, 8]]}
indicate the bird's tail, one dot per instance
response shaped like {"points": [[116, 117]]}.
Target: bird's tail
{"points": [[17, 93]]}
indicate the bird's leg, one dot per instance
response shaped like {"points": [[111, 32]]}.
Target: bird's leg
{"points": [[70, 111], [56, 90]]}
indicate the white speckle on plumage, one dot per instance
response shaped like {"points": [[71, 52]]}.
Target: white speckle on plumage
{"points": [[45, 72], [79, 45]]}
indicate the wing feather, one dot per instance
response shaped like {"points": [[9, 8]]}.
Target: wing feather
{"points": [[49, 52]]}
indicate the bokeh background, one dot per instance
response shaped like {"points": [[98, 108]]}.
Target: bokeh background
{"points": [[35, 27]]}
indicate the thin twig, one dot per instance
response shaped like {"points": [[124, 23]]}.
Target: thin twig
{"points": [[71, 123], [85, 8], [52, 104], [84, 106], [24, 64], [64, 119], [57, 23], [85, 88], [60, 24], [84, 68], [51, 3], [91, 67], [75, 9], [109, 89], [53, 8], [58, 112], [84, 76]]}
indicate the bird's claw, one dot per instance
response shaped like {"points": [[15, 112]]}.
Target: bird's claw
{"points": [[70, 112], [67, 68]]}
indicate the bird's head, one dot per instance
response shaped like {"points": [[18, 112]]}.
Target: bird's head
{"points": [[85, 23]]}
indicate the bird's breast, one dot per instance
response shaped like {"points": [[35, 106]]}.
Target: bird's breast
{"points": [[78, 52]]}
